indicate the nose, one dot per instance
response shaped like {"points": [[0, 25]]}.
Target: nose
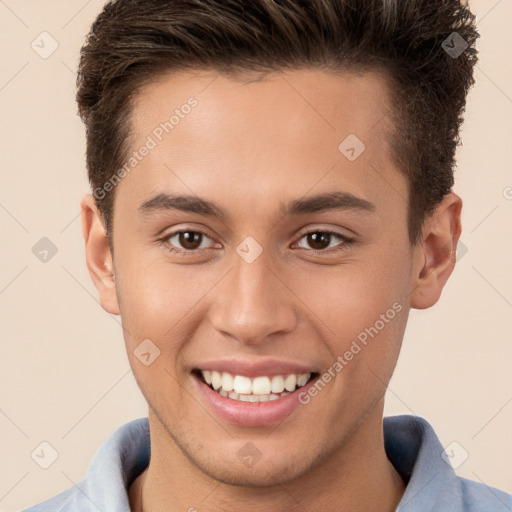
{"points": [[253, 302]]}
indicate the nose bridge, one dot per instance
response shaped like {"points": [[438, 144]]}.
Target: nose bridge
{"points": [[252, 302]]}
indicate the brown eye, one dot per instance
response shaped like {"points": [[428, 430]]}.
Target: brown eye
{"points": [[322, 240], [318, 240], [190, 239], [187, 240]]}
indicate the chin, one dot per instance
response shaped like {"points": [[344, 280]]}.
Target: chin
{"points": [[261, 475]]}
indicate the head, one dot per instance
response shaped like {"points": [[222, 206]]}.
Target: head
{"points": [[326, 133]]}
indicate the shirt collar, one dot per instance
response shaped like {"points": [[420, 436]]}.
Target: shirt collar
{"points": [[410, 443], [415, 451]]}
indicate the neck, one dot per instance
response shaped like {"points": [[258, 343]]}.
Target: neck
{"points": [[358, 476]]}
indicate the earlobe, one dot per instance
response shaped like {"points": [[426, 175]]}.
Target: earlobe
{"points": [[98, 255], [434, 256]]}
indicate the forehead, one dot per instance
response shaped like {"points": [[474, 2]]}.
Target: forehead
{"points": [[289, 132], [306, 102]]}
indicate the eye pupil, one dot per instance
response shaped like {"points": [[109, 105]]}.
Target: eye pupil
{"points": [[190, 239], [319, 240]]}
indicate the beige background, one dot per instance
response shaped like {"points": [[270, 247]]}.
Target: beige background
{"points": [[64, 373]]}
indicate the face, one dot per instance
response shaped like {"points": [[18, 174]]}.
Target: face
{"points": [[256, 246]]}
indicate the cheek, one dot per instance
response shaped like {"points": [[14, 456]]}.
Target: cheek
{"points": [[158, 299], [349, 298], [158, 303], [361, 311]]}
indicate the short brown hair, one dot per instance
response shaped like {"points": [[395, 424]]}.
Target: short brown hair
{"points": [[131, 42]]}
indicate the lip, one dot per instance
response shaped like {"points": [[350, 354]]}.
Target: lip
{"points": [[250, 414], [251, 369]]}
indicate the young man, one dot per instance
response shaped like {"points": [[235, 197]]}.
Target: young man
{"points": [[271, 195]]}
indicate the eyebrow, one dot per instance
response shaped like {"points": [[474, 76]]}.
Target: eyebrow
{"points": [[314, 204]]}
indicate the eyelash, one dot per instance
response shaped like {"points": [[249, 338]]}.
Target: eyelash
{"points": [[345, 242]]}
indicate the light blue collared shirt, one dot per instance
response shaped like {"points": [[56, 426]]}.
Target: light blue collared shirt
{"points": [[411, 445]]}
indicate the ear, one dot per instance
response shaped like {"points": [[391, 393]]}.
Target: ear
{"points": [[98, 255], [434, 257]]}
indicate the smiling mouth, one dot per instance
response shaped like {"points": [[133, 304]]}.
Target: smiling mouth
{"points": [[258, 389]]}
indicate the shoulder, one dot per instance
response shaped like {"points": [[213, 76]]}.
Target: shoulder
{"points": [[118, 461], [478, 497], [432, 484], [62, 502]]}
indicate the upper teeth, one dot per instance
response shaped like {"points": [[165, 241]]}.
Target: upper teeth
{"points": [[257, 386]]}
